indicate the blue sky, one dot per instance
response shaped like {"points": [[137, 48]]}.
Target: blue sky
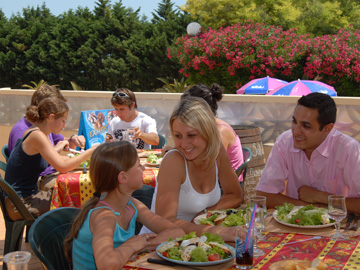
{"points": [[57, 7]]}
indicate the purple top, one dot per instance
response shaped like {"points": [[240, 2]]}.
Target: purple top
{"points": [[17, 133]]}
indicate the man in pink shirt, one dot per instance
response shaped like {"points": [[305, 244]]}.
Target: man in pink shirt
{"points": [[314, 158]]}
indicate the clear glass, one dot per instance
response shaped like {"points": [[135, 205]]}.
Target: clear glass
{"points": [[337, 211], [258, 227], [244, 258], [260, 201], [131, 134], [17, 260]]}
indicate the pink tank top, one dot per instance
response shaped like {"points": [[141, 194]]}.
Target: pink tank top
{"points": [[235, 152]]}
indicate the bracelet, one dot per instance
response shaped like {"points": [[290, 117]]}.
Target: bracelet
{"points": [[72, 137]]}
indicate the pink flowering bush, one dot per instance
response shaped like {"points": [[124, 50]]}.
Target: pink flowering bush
{"points": [[335, 60], [234, 55]]}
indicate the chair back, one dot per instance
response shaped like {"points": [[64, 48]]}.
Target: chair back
{"points": [[144, 195], [3, 166], [14, 229], [247, 154], [47, 236], [5, 152], [162, 142]]}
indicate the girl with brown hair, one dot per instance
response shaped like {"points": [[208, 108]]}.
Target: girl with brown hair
{"points": [[102, 236]]}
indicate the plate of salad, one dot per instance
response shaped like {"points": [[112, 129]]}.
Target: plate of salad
{"points": [[153, 160], [307, 217], [209, 249], [222, 218]]}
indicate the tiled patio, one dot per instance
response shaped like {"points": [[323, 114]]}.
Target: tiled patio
{"points": [[34, 263]]}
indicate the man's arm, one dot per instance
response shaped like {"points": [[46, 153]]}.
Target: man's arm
{"points": [[278, 199], [320, 198], [150, 138]]}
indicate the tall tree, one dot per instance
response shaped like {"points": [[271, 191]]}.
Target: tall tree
{"points": [[316, 17]]}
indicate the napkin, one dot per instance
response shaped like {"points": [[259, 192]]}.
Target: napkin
{"points": [[271, 225], [142, 263]]}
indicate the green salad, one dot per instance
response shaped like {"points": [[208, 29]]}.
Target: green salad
{"points": [[308, 215], [189, 247], [225, 218], [87, 162], [152, 158]]}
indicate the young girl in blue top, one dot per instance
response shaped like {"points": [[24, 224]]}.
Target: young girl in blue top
{"points": [[102, 236]]}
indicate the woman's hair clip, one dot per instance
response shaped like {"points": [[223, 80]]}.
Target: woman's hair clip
{"points": [[97, 194]]}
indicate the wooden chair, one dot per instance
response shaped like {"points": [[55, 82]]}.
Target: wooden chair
{"points": [[14, 229], [47, 236]]}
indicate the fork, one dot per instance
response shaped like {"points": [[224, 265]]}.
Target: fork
{"points": [[354, 226]]}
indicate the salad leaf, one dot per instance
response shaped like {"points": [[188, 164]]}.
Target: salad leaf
{"points": [[174, 253], [234, 220], [284, 209], [152, 158], [199, 255], [213, 237]]}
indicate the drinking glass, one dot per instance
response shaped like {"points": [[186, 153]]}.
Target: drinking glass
{"points": [[131, 134], [257, 227], [244, 258], [260, 201], [337, 211], [17, 260]]}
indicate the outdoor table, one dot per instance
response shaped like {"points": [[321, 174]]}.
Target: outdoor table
{"points": [[336, 254], [74, 188]]}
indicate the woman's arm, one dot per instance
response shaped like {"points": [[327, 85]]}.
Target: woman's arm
{"points": [[171, 176], [232, 193], [37, 142], [102, 225]]}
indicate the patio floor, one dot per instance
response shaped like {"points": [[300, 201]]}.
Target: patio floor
{"points": [[34, 263]]}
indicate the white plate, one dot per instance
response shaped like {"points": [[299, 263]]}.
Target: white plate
{"points": [[196, 263], [158, 163], [146, 154], [301, 226]]}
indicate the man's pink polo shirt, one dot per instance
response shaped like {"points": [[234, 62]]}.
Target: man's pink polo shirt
{"points": [[334, 166]]}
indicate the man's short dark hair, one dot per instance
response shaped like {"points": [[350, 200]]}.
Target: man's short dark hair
{"points": [[324, 104]]}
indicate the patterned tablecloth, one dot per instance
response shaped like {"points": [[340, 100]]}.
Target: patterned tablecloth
{"points": [[73, 189], [337, 255]]}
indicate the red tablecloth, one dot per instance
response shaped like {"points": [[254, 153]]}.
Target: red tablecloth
{"points": [[337, 255], [73, 189]]}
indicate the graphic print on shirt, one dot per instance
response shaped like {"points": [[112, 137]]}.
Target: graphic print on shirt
{"points": [[119, 134], [139, 143]]}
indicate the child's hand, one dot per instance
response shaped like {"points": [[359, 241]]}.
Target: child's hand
{"points": [[144, 242]]}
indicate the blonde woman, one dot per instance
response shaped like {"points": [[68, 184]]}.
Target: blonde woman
{"points": [[190, 175]]}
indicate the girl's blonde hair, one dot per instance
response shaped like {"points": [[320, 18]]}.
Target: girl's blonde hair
{"points": [[107, 161], [196, 113], [47, 106]]}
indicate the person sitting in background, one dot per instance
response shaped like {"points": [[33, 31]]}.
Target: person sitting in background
{"points": [[314, 158], [192, 175], [102, 235], [32, 154], [128, 117], [48, 176], [229, 138]]}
